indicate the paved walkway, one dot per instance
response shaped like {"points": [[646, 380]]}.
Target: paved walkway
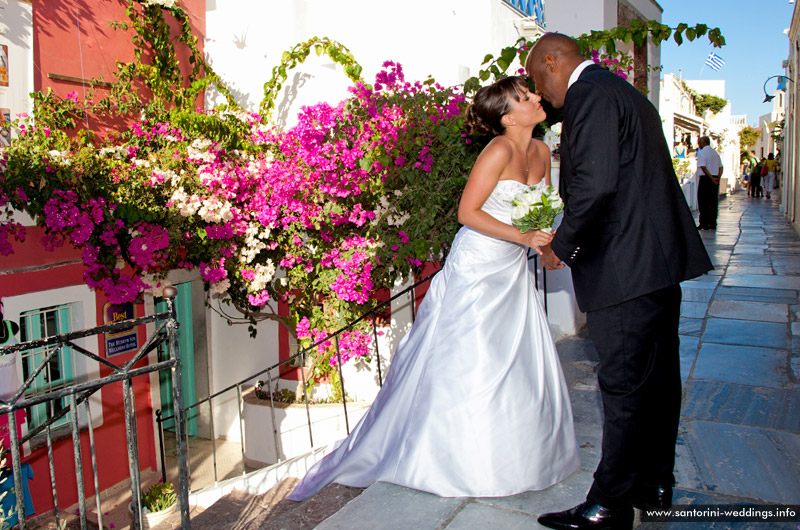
{"points": [[739, 438]]}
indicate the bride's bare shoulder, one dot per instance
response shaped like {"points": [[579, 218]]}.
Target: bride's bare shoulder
{"points": [[541, 148]]}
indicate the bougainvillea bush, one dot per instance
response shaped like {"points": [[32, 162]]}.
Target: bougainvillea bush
{"points": [[320, 216]]}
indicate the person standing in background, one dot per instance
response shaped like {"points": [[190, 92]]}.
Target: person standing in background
{"points": [[769, 177], [709, 171]]}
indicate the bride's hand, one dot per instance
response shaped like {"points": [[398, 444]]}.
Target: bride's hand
{"points": [[536, 239]]}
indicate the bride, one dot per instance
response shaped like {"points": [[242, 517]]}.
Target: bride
{"points": [[475, 403]]}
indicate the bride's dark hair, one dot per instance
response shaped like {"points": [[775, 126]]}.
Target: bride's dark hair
{"points": [[491, 103]]}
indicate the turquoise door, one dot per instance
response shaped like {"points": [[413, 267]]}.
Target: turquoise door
{"points": [[183, 305]]}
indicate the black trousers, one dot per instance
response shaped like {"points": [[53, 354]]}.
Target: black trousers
{"points": [[640, 383], [707, 202]]}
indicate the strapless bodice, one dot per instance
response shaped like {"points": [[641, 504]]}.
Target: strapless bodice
{"points": [[498, 204]]}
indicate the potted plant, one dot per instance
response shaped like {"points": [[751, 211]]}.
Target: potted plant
{"points": [[159, 502]]}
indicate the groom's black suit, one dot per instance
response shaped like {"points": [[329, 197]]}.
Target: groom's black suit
{"points": [[630, 239]]}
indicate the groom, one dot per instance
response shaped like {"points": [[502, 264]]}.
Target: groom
{"points": [[629, 238]]}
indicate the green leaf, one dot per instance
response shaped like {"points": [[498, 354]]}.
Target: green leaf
{"points": [[678, 38]]}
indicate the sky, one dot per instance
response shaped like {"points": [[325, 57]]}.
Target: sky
{"points": [[754, 50]]}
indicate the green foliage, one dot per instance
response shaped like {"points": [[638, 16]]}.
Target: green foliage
{"points": [[748, 136], [681, 167], [638, 32], [160, 496], [297, 55], [777, 129], [156, 67], [704, 102]]}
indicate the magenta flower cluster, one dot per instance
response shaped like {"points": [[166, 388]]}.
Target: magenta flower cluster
{"points": [[612, 63], [305, 199]]}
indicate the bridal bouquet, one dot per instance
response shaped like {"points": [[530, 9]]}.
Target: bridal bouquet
{"points": [[536, 208]]}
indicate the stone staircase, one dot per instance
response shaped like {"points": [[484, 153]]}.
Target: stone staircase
{"points": [[239, 510]]}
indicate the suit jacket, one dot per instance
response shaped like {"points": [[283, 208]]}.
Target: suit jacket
{"points": [[627, 230]]}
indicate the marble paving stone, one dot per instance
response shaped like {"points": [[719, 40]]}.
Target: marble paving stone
{"points": [[692, 294], [478, 515], [565, 494], [746, 462], [771, 408], [687, 471], [746, 333], [746, 269], [701, 282], [787, 268], [576, 348], [747, 365], [688, 354], [762, 281], [750, 310], [690, 326], [590, 443], [755, 294], [580, 374], [710, 280], [587, 407], [693, 309], [749, 249], [385, 505], [750, 261], [753, 239]]}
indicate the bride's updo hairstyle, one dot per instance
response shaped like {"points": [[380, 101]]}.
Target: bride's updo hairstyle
{"points": [[491, 103]]}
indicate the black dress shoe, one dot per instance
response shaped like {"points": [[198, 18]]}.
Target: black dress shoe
{"points": [[659, 496], [589, 515]]}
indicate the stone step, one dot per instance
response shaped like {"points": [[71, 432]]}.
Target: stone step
{"points": [[239, 510]]}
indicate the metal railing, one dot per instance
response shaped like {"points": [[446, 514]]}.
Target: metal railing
{"points": [[78, 396], [299, 359]]}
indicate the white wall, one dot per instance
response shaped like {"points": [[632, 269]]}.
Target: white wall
{"points": [[16, 32], [448, 42], [234, 355]]}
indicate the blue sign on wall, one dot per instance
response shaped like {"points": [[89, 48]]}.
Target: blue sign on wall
{"points": [[529, 8], [123, 340]]}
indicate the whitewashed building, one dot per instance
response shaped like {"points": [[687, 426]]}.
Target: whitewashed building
{"points": [[768, 124], [790, 162]]}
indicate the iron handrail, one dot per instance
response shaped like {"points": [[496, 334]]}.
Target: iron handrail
{"points": [[79, 393]]}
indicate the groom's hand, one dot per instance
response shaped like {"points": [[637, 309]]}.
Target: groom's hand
{"points": [[549, 259]]}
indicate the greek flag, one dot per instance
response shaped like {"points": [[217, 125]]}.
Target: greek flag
{"points": [[714, 61]]}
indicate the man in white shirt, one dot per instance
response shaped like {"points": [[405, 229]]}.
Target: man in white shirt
{"points": [[709, 171]]}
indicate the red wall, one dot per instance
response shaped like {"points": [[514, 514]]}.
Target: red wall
{"points": [[60, 48]]}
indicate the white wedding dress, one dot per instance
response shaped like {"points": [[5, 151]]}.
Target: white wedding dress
{"points": [[475, 403]]}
